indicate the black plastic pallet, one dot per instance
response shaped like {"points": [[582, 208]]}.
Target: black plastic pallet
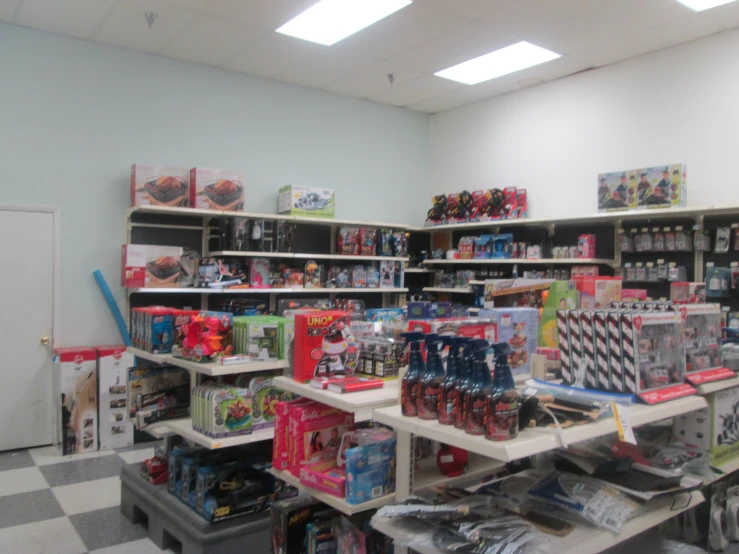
{"points": [[170, 522]]}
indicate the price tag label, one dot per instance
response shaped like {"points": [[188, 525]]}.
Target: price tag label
{"points": [[623, 425]]}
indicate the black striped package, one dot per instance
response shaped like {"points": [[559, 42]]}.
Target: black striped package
{"points": [[600, 335], [613, 328], [564, 347], [588, 349], [573, 329], [629, 356]]}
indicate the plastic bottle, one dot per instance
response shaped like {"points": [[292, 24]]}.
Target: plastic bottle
{"points": [[411, 382], [465, 382], [433, 377], [450, 386], [476, 396], [502, 406]]}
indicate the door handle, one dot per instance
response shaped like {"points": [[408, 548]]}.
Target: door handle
{"points": [[45, 341]]}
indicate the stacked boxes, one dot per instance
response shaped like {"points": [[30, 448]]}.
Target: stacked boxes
{"points": [[152, 329], [116, 430], [643, 189]]}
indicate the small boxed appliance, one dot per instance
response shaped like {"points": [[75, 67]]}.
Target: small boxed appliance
{"points": [[116, 430], [76, 398], [306, 201], [146, 266], [159, 185], [216, 189]]}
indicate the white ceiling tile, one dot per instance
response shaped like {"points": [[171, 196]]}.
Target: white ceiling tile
{"points": [[443, 102], [196, 5], [211, 40], [321, 69], [8, 9], [125, 25], [77, 18], [727, 15], [470, 8], [272, 54], [270, 13], [416, 90], [406, 28], [373, 79]]}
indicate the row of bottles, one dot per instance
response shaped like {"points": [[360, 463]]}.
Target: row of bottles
{"points": [[464, 395]]}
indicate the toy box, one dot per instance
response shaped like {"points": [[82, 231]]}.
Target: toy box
{"points": [[349, 241], [370, 471], [466, 248], [159, 185], [688, 293], [437, 213], [600, 340], [174, 467], [661, 187], [633, 295], [180, 319], [519, 327], [368, 241], [76, 399], [330, 480], [586, 246], [616, 191], [315, 434], [156, 394], [259, 277], [289, 519], [702, 332], [306, 201], [386, 314], [522, 200], [152, 329], [324, 345], [280, 445], [144, 266], [116, 430], [216, 189], [265, 395], [484, 246], [266, 338], [715, 428], [562, 295], [598, 292], [208, 337]]}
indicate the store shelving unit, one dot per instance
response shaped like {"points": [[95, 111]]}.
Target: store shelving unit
{"points": [[144, 355], [716, 386], [524, 261], [449, 290], [217, 370], [183, 427]]}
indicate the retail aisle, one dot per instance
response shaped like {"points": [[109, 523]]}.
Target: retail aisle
{"points": [[50, 504]]}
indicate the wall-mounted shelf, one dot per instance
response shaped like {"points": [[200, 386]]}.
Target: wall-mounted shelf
{"points": [[716, 386], [215, 370], [353, 291], [260, 291], [524, 261], [292, 255], [417, 270], [144, 355], [183, 427], [463, 290]]}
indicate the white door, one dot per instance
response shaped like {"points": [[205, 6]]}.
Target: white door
{"points": [[26, 307]]}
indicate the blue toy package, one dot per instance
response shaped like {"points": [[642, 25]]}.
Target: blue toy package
{"points": [[370, 471], [439, 310], [385, 314], [503, 246], [418, 310], [519, 327], [174, 467], [484, 246]]}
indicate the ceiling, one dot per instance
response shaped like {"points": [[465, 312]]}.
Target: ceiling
{"points": [[412, 44]]}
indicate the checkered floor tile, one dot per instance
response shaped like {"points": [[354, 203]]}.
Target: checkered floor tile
{"points": [[68, 504]]}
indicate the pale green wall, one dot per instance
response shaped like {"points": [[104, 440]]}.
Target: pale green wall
{"points": [[75, 115]]}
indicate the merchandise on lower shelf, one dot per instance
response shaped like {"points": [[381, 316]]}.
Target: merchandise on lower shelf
{"points": [[146, 266], [157, 393], [76, 400], [116, 429]]}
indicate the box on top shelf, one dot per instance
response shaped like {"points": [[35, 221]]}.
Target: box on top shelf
{"points": [[216, 189], [661, 187], [76, 398], [116, 430], [616, 191], [306, 201], [159, 185]]}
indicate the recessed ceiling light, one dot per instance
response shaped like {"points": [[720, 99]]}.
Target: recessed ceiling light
{"points": [[700, 5], [496, 64], [330, 21]]}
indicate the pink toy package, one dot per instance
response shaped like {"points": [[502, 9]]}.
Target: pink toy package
{"points": [[331, 480], [314, 429], [282, 435]]}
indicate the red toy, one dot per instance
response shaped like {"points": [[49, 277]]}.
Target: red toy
{"points": [[155, 470], [324, 345], [207, 337], [451, 460]]}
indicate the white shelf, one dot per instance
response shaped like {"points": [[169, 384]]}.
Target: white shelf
{"points": [[158, 358], [183, 427], [716, 386], [152, 290], [216, 370], [342, 222], [348, 257], [465, 290], [335, 502], [360, 404], [531, 441], [350, 290], [524, 261], [162, 429], [729, 467], [586, 539], [242, 254], [417, 270], [210, 290]]}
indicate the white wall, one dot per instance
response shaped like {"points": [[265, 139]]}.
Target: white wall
{"points": [[679, 105], [75, 115]]}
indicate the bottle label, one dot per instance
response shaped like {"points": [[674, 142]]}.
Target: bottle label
{"points": [[459, 409], [447, 402], [501, 417], [475, 420], [409, 398], [428, 402]]}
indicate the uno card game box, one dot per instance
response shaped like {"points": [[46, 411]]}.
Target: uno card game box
{"points": [[324, 345]]}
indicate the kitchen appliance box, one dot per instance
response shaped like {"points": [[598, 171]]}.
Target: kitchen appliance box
{"points": [[216, 189], [306, 201], [76, 399], [145, 266], [714, 429], [116, 429], [157, 185]]}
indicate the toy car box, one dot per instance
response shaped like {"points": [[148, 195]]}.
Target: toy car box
{"points": [[715, 428], [116, 430], [662, 187], [323, 345], [216, 189], [76, 400], [152, 329], [159, 185], [174, 467], [617, 191], [306, 201], [519, 327]]}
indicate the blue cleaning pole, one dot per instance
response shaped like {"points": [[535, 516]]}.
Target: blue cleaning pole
{"points": [[113, 306]]}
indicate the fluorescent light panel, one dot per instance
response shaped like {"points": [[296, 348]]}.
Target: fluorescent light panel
{"points": [[496, 64], [700, 5], [330, 21]]}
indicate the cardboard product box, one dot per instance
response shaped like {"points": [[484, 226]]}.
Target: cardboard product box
{"points": [[370, 471], [688, 293], [323, 345], [76, 399], [152, 329], [663, 186], [563, 295], [315, 433], [574, 333], [702, 332], [598, 292], [600, 336], [587, 333], [617, 191], [146, 266], [714, 428], [216, 189], [565, 352], [306, 201], [116, 430], [519, 327], [289, 519], [159, 185], [157, 393], [615, 350]]}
